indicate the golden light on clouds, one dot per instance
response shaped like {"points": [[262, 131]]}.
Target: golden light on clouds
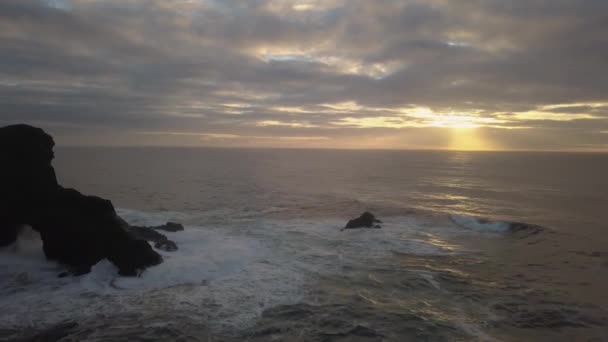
{"points": [[267, 123], [348, 106], [384, 126], [546, 115], [570, 105], [303, 7], [236, 105], [414, 117], [449, 119], [229, 136], [298, 110], [319, 55], [287, 7], [556, 112], [456, 121], [414, 74], [376, 122]]}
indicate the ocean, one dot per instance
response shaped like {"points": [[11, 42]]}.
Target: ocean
{"points": [[263, 256]]}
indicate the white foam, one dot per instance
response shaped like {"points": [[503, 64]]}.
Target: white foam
{"points": [[25, 255], [479, 224], [238, 269], [203, 255], [234, 272]]}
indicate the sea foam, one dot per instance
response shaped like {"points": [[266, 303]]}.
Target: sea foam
{"points": [[229, 273], [480, 225]]}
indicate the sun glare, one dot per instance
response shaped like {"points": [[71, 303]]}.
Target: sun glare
{"points": [[454, 121], [449, 119], [468, 139]]}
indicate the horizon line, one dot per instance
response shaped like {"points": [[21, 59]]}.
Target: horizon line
{"points": [[335, 148]]}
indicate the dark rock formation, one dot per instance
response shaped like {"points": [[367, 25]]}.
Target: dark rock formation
{"points": [[366, 220], [76, 230], [170, 227], [525, 229], [149, 234], [27, 179]]}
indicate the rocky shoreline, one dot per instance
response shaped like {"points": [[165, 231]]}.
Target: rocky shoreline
{"points": [[77, 230]]}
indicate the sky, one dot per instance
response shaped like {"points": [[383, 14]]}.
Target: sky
{"points": [[386, 74]]}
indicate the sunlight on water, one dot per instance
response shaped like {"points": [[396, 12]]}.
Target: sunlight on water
{"points": [[263, 256]]}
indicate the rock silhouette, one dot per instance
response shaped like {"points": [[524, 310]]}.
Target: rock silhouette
{"points": [[366, 220], [150, 234], [169, 227], [76, 230]]}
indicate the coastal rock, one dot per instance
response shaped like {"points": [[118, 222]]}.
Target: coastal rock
{"points": [[166, 245], [8, 232], [170, 227], [525, 229], [76, 230], [27, 178], [150, 234], [366, 220]]}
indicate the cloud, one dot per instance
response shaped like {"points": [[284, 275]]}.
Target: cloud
{"points": [[346, 71]]}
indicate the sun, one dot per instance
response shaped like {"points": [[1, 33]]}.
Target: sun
{"points": [[468, 139], [465, 131]]}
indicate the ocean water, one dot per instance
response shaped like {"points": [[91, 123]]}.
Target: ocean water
{"points": [[263, 257]]}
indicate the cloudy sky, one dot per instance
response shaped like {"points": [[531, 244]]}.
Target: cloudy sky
{"points": [[411, 74]]}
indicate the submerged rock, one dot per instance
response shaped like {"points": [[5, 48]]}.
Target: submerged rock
{"points": [[366, 220], [166, 245], [525, 228], [170, 227], [76, 230], [149, 234], [486, 225]]}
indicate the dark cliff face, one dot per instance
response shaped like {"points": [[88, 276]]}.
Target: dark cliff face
{"points": [[76, 230], [26, 175]]}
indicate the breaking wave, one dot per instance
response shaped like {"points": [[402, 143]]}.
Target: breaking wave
{"points": [[232, 274]]}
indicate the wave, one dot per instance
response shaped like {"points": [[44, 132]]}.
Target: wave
{"points": [[484, 225], [229, 272]]}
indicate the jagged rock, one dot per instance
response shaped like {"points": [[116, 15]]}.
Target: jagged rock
{"points": [[76, 230], [27, 178], [149, 234], [170, 227], [145, 233], [526, 228], [166, 245], [8, 233], [130, 258], [366, 220]]}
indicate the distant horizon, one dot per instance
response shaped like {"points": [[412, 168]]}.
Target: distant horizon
{"points": [[327, 148]]}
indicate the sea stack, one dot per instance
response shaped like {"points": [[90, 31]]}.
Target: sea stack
{"points": [[76, 230], [366, 220]]}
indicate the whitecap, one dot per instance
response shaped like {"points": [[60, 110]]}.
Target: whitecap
{"points": [[480, 224]]}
